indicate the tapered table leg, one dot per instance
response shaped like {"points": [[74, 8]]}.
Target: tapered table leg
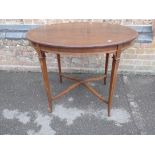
{"points": [[115, 64], [59, 67], [106, 67], [42, 59]]}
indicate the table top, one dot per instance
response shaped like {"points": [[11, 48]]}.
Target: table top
{"points": [[82, 35]]}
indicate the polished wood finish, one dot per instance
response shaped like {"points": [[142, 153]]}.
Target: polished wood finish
{"points": [[84, 83], [106, 67], [115, 63], [59, 67], [81, 35], [81, 39], [42, 59]]}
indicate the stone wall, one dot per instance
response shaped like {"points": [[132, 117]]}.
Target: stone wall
{"points": [[51, 21], [19, 55]]}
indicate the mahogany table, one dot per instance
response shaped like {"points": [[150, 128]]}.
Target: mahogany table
{"points": [[81, 39]]}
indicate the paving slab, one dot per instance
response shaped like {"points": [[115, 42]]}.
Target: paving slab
{"points": [[23, 106], [141, 96]]}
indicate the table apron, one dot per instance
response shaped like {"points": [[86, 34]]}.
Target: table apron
{"points": [[80, 51]]}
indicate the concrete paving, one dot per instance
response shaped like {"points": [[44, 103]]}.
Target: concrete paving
{"points": [[23, 106]]}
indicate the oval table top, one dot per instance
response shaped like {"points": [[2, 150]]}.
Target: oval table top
{"points": [[82, 35]]}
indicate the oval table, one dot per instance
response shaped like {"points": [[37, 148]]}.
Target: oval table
{"points": [[81, 39]]}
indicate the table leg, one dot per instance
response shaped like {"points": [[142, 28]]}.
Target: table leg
{"points": [[115, 64], [59, 67], [42, 59], [106, 67]]}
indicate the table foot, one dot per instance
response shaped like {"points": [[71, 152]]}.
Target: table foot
{"points": [[104, 81], [109, 112], [49, 109]]}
